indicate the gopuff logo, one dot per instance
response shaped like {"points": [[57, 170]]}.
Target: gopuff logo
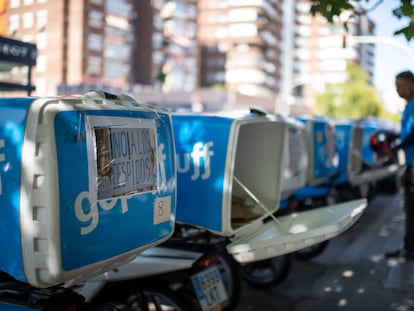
{"points": [[200, 160], [88, 214]]}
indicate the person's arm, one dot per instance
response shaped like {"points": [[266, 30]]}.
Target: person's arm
{"points": [[407, 128], [408, 141]]}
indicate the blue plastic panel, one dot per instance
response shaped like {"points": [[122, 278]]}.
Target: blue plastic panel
{"points": [[9, 307], [323, 154], [229, 169], [370, 125], [201, 144], [12, 122], [343, 136], [126, 196]]}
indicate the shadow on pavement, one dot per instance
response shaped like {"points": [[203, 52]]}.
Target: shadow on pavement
{"points": [[351, 274]]}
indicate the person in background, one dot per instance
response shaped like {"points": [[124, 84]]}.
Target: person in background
{"points": [[405, 89]]}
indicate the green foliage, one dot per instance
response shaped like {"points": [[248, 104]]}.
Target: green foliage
{"points": [[331, 8], [355, 98], [406, 10]]}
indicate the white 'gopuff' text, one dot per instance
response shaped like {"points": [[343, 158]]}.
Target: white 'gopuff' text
{"points": [[200, 154]]}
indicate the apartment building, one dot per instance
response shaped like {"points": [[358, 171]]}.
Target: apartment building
{"points": [[240, 45], [320, 54], [271, 49], [165, 49], [84, 44], [78, 42]]}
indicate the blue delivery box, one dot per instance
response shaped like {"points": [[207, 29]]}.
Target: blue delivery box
{"points": [[322, 152], [226, 162], [357, 159], [229, 182], [87, 183], [295, 157], [349, 138], [370, 127]]}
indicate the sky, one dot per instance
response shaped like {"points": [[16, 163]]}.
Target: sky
{"points": [[389, 60]]}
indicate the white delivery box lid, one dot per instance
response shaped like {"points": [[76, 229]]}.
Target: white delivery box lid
{"points": [[295, 157], [289, 233], [323, 157], [360, 153]]}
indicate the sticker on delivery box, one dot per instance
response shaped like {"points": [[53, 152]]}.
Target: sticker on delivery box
{"points": [[122, 153]]}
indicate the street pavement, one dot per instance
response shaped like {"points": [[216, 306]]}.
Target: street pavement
{"points": [[351, 274]]}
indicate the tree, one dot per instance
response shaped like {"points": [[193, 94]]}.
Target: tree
{"points": [[355, 98], [331, 8]]}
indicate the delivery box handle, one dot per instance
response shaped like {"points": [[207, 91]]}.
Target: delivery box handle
{"points": [[120, 99]]}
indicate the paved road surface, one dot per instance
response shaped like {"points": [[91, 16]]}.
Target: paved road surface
{"points": [[351, 274]]}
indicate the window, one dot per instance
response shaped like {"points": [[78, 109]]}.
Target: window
{"points": [[97, 2], [41, 41], [41, 19], [27, 38], [115, 70], [242, 15], [242, 30], [95, 42], [13, 23], [95, 19], [28, 20], [27, 2], [41, 86], [94, 66], [14, 3], [117, 51], [41, 63]]}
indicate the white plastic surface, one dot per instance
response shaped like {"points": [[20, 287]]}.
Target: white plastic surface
{"points": [[295, 158], [374, 174], [294, 231], [254, 160], [354, 158], [153, 261]]}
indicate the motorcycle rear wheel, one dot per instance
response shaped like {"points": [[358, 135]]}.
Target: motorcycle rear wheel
{"points": [[154, 298], [267, 273]]}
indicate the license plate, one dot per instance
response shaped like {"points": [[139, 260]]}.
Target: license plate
{"points": [[210, 289]]}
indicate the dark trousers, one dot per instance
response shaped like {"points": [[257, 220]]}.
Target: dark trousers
{"points": [[408, 184]]}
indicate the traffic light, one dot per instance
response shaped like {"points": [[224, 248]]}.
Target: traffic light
{"points": [[344, 41]]}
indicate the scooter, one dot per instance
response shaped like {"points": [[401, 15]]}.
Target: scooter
{"points": [[187, 272], [365, 163], [228, 176], [269, 272], [230, 185], [20, 296]]}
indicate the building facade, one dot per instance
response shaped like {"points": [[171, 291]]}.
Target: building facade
{"points": [[271, 49], [79, 42], [322, 51], [240, 45]]}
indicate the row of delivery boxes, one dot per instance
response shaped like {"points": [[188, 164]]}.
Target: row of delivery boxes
{"points": [[88, 183]]}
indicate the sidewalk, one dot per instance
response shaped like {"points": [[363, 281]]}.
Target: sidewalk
{"points": [[351, 274]]}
